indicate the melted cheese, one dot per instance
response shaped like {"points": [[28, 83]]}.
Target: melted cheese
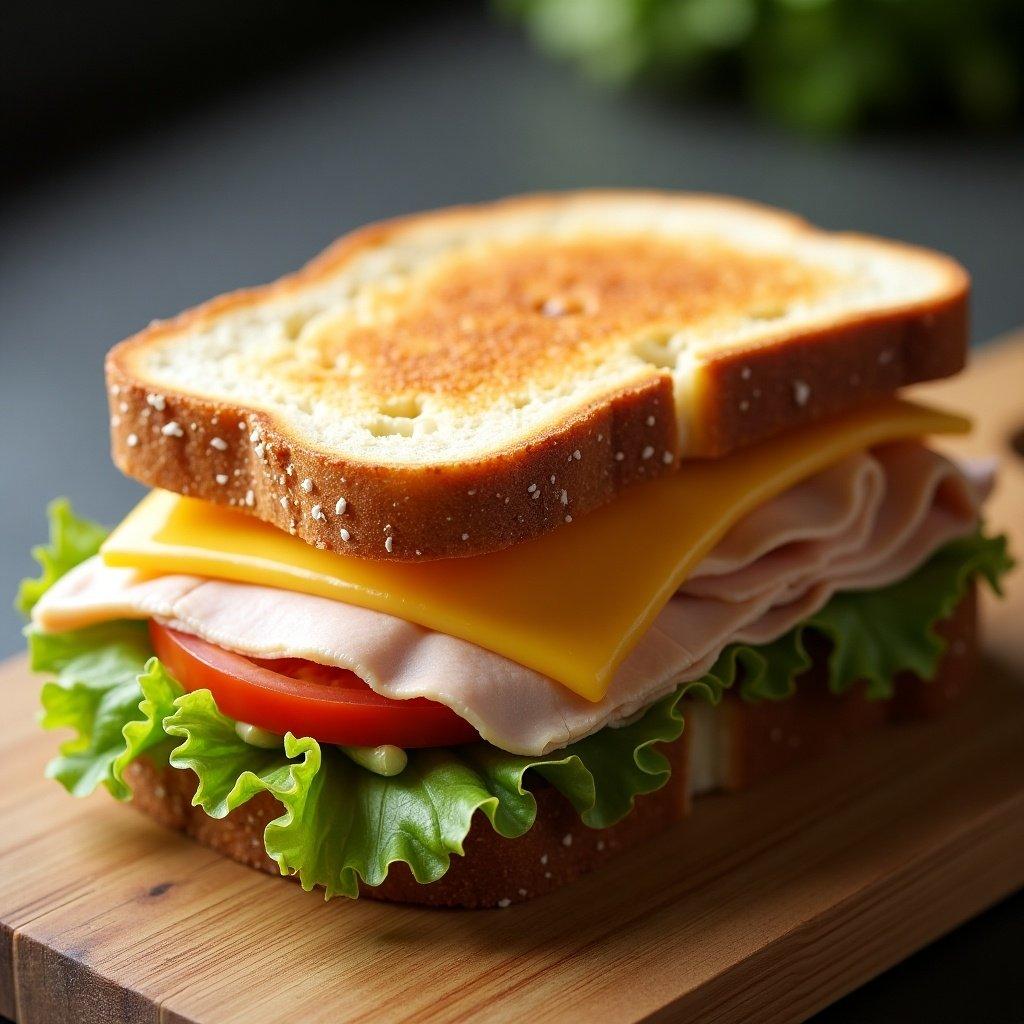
{"points": [[571, 604]]}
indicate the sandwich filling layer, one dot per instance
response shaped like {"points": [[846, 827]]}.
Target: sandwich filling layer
{"points": [[532, 603], [862, 523]]}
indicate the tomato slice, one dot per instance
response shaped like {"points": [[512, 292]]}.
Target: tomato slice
{"points": [[283, 695]]}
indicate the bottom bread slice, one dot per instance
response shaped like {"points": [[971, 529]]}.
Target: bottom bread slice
{"points": [[748, 741], [555, 851]]}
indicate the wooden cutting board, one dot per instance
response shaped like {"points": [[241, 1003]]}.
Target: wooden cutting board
{"points": [[766, 905]]}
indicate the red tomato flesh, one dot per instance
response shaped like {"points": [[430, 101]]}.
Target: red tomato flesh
{"points": [[283, 695]]}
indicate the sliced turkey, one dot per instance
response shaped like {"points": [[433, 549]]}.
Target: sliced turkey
{"points": [[863, 523]]}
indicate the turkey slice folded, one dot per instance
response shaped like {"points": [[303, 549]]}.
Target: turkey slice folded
{"points": [[863, 523]]}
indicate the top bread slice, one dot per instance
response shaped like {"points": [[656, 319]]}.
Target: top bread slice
{"points": [[454, 382]]}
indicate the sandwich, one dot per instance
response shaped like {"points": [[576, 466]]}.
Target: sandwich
{"points": [[482, 547]]}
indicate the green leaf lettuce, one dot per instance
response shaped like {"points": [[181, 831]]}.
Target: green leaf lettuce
{"points": [[72, 540], [112, 694]]}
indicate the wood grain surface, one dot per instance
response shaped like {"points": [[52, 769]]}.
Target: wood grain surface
{"points": [[765, 905]]}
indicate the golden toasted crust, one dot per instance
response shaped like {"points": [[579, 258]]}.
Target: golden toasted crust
{"points": [[491, 325], [528, 315], [762, 739], [427, 512], [828, 372]]}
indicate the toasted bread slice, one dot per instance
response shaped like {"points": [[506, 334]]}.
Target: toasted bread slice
{"points": [[456, 382]]}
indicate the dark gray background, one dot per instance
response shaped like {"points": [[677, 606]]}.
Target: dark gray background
{"points": [[247, 183]]}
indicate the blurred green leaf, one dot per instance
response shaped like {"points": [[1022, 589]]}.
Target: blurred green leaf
{"points": [[817, 65]]}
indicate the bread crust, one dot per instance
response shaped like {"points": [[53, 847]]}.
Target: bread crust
{"points": [[556, 851], [427, 512], [559, 848], [195, 446], [826, 373]]}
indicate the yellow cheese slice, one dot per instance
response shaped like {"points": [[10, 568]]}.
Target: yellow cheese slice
{"points": [[571, 604]]}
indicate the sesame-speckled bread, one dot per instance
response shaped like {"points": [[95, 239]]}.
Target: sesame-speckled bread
{"points": [[455, 382]]}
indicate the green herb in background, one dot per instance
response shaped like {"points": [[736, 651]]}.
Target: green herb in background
{"points": [[816, 65]]}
